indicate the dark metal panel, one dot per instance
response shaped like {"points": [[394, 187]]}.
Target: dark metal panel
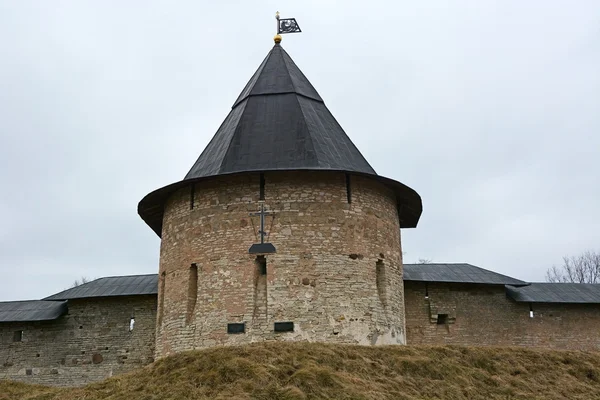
{"points": [[456, 273], [271, 134], [236, 327], [333, 148], [299, 80], [274, 77], [111, 286], [248, 88], [278, 74], [574, 293], [211, 158], [31, 310]]}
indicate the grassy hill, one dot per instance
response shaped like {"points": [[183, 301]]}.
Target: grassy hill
{"points": [[317, 371]]}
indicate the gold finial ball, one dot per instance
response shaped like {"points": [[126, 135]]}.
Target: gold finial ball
{"points": [[277, 38]]}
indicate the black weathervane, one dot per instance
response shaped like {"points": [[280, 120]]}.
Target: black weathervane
{"points": [[261, 247], [286, 25]]}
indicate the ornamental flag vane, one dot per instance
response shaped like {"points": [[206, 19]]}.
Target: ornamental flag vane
{"points": [[286, 25]]}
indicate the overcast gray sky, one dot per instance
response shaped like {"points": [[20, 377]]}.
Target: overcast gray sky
{"points": [[490, 110]]}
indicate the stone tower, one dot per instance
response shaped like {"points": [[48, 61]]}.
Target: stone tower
{"points": [[335, 274]]}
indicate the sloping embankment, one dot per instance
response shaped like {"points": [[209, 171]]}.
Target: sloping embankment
{"points": [[320, 371]]}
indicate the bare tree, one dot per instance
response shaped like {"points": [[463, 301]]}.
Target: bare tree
{"points": [[584, 268], [424, 261], [78, 282]]}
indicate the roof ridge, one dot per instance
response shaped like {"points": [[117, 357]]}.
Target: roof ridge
{"points": [[287, 60], [566, 283], [122, 276], [72, 288], [245, 101], [312, 142], [288, 70], [253, 79], [440, 263], [28, 301]]}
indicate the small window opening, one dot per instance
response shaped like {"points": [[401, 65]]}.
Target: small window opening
{"points": [[18, 336], [237, 327], [426, 291], [530, 311], [261, 195], [131, 324], [192, 196], [348, 189], [381, 282], [261, 264], [284, 327], [192, 292], [161, 297], [442, 319]]}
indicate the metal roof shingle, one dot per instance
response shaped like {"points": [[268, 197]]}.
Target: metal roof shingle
{"points": [[556, 293], [111, 286], [456, 273], [31, 310]]}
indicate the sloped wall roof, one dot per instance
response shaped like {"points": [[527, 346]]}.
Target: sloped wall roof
{"points": [[31, 310], [556, 293], [131, 285], [456, 273]]}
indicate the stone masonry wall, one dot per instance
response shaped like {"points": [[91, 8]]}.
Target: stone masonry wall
{"points": [[337, 273], [90, 343], [482, 315]]}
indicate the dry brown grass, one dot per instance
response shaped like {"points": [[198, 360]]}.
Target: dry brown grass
{"points": [[321, 371]]}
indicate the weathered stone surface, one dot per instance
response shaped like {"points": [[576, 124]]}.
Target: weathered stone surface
{"points": [[322, 278], [83, 346], [482, 315]]}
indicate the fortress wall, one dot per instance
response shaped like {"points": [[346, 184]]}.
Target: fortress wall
{"points": [[337, 273], [90, 343], [93, 341], [482, 315]]}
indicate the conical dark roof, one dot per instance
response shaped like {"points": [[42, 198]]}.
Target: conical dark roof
{"points": [[279, 123]]}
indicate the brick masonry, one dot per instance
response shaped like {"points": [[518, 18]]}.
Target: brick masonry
{"points": [[324, 277], [93, 341], [90, 343], [337, 275], [482, 315]]}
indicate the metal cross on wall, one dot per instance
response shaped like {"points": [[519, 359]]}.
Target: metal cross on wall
{"points": [[261, 247]]}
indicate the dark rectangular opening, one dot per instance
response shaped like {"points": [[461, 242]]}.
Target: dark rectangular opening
{"points": [[284, 327], [381, 282], [18, 336], [161, 297], [192, 196], [237, 327], [192, 292], [261, 264], [442, 319], [348, 189], [261, 195]]}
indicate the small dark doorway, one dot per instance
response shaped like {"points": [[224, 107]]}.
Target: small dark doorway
{"points": [[261, 265]]}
